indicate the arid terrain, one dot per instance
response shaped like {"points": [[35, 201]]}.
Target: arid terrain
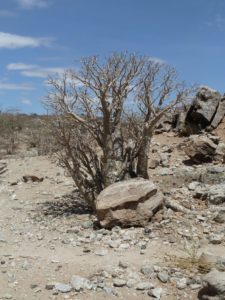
{"points": [[48, 237]]}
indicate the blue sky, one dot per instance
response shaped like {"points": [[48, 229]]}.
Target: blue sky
{"points": [[40, 37]]}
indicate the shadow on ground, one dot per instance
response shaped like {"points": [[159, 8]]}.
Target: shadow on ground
{"points": [[69, 204]]}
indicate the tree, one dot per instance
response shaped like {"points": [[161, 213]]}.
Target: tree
{"points": [[104, 117]]}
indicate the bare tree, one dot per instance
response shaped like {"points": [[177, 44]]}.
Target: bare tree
{"points": [[105, 115]]}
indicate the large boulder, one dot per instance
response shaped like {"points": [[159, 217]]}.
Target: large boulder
{"points": [[203, 108], [200, 149], [213, 286], [220, 113], [128, 203]]}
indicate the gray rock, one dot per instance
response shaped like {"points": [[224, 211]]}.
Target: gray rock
{"points": [[153, 164], [155, 293], [144, 286], [182, 283], [200, 149], [128, 203], [213, 285], [163, 276], [101, 252], [63, 288], [119, 282], [80, 283], [147, 270], [216, 238], [131, 283], [203, 109], [220, 217], [220, 113]]}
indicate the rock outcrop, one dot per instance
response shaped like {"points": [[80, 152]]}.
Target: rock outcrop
{"points": [[200, 149], [128, 203], [203, 108]]}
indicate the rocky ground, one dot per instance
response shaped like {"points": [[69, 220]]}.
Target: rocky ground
{"points": [[52, 248]]}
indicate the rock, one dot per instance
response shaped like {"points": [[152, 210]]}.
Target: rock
{"points": [[63, 288], [123, 264], [142, 286], [182, 283], [155, 293], [216, 238], [87, 224], [203, 109], [101, 252], [216, 194], [128, 203], [220, 153], [163, 276], [220, 217], [79, 283], [119, 282], [131, 283], [147, 270], [208, 261], [220, 113], [50, 286], [200, 149], [213, 286], [153, 164], [165, 124]]}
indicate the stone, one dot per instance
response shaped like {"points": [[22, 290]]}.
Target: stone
{"points": [[216, 194], [119, 282], [163, 276], [131, 283], [79, 283], [182, 283], [155, 293], [142, 286], [128, 203], [203, 109], [200, 149], [220, 153], [216, 238], [101, 252], [147, 270], [220, 113], [63, 288], [220, 217], [209, 261], [153, 164], [213, 285]]}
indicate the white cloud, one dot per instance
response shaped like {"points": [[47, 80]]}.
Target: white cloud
{"points": [[217, 22], [7, 13], [29, 4], [14, 86], [19, 67], [13, 41], [157, 60], [26, 102], [42, 72], [34, 70]]}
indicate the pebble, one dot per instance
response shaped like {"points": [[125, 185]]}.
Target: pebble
{"points": [[119, 282], [144, 286], [163, 277], [63, 288], [155, 293]]}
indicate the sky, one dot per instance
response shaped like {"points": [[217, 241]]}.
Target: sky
{"points": [[45, 37]]}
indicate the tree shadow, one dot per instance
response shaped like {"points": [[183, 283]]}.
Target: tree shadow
{"points": [[69, 204]]}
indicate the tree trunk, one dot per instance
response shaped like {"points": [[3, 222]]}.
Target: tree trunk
{"points": [[142, 163], [113, 160]]}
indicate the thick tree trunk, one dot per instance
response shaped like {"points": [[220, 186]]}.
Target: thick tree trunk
{"points": [[113, 160], [142, 163]]}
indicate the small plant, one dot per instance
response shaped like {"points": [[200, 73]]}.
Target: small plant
{"points": [[191, 260]]}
